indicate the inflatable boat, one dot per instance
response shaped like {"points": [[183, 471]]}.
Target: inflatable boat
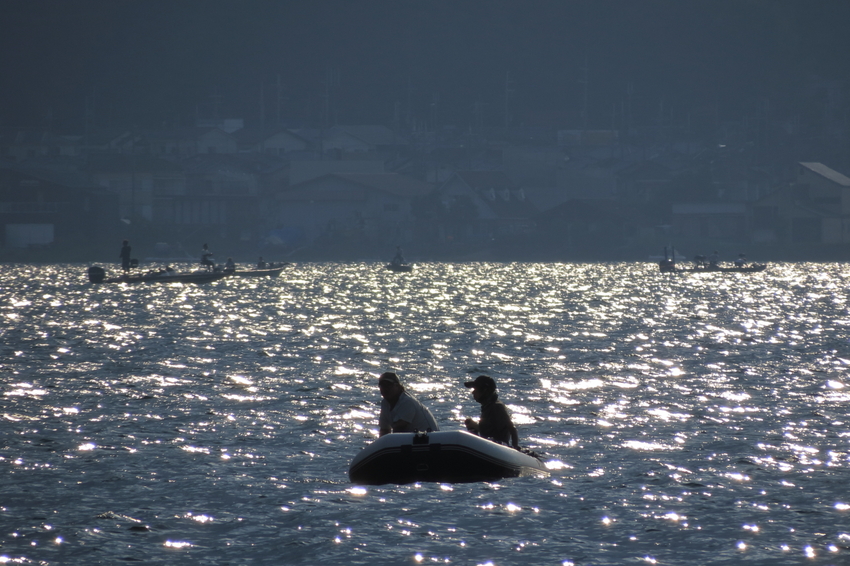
{"points": [[399, 267], [446, 457]]}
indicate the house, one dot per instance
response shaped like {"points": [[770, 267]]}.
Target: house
{"points": [[482, 205], [360, 139], [224, 192], [137, 180], [228, 125], [643, 181], [22, 145], [185, 142], [594, 226], [277, 142], [46, 207], [529, 165], [352, 206], [214, 140], [588, 138], [585, 175], [815, 208], [713, 220], [304, 170]]}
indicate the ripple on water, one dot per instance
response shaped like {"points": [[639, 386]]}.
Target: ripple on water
{"points": [[687, 418]]}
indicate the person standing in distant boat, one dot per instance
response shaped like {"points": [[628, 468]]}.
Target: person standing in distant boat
{"points": [[125, 256], [401, 411], [495, 423], [206, 258]]}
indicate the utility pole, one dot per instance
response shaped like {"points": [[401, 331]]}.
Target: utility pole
{"points": [[331, 81], [327, 98], [435, 103], [89, 117], [279, 101], [216, 99], [477, 113], [409, 99], [48, 119], [584, 82], [508, 93], [262, 106]]}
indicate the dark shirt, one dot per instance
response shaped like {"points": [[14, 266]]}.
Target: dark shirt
{"points": [[495, 421], [125, 257]]}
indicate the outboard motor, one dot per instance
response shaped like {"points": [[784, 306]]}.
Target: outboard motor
{"points": [[96, 274]]}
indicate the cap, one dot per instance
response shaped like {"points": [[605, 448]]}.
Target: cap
{"points": [[482, 381], [389, 376]]}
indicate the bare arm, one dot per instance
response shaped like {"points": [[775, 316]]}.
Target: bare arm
{"points": [[402, 426], [514, 437]]}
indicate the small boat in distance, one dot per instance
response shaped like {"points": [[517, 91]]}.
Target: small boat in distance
{"points": [[266, 272], [398, 263], [399, 267], [445, 456], [97, 275], [668, 265], [752, 268]]}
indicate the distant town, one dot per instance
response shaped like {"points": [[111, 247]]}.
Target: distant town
{"points": [[772, 189]]}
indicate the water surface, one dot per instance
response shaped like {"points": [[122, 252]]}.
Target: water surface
{"points": [[687, 418]]}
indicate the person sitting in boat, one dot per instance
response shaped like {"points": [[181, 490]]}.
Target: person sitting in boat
{"points": [[206, 258], [261, 264], [401, 411], [399, 257], [229, 265], [713, 259], [495, 422], [741, 260]]}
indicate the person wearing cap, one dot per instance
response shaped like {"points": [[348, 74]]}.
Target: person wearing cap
{"points": [[401, 411], [495, 422]]}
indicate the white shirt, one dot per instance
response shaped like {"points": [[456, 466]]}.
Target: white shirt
{"points": [[408, 409]]}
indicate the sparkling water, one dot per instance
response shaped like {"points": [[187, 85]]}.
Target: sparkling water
{"points": [[685, 418]]}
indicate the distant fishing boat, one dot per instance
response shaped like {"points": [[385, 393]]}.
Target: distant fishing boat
{"points": [[266, 272], [97, 275], [668, 265], [399, 267], [752, 268]]}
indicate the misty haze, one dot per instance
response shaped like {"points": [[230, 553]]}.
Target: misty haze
{"points": [[400, 282], [475, 130]]}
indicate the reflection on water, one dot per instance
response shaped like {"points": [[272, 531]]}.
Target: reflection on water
{"points": [[692, 418]]}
